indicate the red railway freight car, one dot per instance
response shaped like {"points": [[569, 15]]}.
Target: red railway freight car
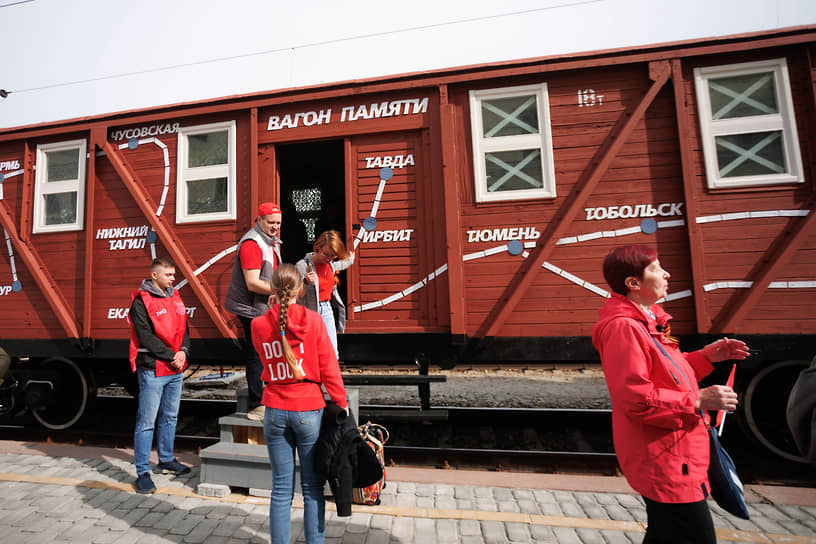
{"points": [[480, 201]]}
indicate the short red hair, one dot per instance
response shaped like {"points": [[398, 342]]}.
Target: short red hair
{"points": [[625, 261], [332, 239]]}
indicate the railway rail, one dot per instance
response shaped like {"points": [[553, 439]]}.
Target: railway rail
{"points": [[496, 439]]}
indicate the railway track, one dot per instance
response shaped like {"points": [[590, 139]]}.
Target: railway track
{"points": [[537, 439], [540, 440], [474, 438]]}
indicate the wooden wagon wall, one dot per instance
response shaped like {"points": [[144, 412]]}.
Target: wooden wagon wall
{"points": [[116, 242], [435, 259], [648, 170], [25, 311], [737, 250], [121, 270]]}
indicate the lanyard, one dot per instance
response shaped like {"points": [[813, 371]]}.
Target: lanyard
{"points": [[688, 382]]}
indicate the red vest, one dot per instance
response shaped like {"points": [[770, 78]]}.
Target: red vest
{"points": [[169, 318]]}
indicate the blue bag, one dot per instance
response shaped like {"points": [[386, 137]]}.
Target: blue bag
{"points": [[726, 487]]}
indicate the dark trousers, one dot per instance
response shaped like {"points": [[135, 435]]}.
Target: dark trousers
{"points": [[678, 523], [253, 367]]}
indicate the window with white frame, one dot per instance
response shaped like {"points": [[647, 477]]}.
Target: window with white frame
{"points": [[512, 143], [748, 124], [59, 186], [205, 186]]}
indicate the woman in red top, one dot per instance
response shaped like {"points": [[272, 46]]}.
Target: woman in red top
{"points": [[318, 270], [297, 357], [660, 437]]}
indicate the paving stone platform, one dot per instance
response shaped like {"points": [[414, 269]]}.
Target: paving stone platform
{"points": [[52, 493]]}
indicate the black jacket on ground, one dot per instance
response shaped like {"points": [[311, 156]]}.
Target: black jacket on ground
{"points": [[343, 458]]}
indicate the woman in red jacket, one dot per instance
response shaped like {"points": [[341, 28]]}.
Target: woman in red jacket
{"points": [[660, 437], [297, 357]]}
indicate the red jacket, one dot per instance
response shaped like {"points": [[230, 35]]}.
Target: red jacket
{"points": [[306, 334], [660, 440], [169, 318]]}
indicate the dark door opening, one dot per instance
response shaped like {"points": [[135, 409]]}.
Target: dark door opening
{"points": [[313, 195]]}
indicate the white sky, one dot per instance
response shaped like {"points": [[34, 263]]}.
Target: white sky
{"points": [[63, 59]]}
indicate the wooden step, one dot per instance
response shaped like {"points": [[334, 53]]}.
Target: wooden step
{"points": [[237, 428], [237, 465]]}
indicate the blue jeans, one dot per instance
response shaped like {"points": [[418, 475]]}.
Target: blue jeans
{"points": [[326, 312], [158, 396], [284, 432]]}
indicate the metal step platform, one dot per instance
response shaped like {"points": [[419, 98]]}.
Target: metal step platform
{"points": [[240, 458]]}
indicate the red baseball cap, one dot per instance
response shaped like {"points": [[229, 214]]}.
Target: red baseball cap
{"points": [[268, 208]]}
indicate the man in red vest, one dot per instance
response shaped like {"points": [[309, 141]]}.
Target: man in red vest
{"points": [[256, 257], [159, 346]]}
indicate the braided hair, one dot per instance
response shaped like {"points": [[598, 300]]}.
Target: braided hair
{"points": [[286, 283]]}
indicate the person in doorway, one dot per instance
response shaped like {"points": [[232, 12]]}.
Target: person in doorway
{"points": [[318, 271], [297, 358], [297, 235], [159, 348], [257, 256], [658, 428]]}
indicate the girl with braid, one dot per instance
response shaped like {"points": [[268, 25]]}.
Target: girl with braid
{"points": [[297, 358]]}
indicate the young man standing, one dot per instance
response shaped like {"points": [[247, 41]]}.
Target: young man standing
{"points": [[159, 346], [257, 257]]}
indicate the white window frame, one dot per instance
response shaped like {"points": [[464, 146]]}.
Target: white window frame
{"points": [[43, 187], [785, 121], [184, 174], [542, 140]]}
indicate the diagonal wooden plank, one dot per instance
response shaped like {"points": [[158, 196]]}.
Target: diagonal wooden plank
{"points": [[168, 237], [562, 219], [38, 269], [768, 267]]}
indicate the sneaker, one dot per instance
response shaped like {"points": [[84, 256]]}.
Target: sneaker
{"points": [[173, 467], [144, 484], [257, 413]]}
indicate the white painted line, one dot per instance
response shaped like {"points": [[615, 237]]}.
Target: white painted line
{"points": [[208, 264], [667, 224], [751, 215], [678, 295]]}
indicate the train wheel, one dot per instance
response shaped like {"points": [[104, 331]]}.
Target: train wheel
{"points": [[69, 397], [766, 399]]}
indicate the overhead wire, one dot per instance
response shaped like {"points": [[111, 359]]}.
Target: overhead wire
{"points": [[301, 46], [15, 3]]}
